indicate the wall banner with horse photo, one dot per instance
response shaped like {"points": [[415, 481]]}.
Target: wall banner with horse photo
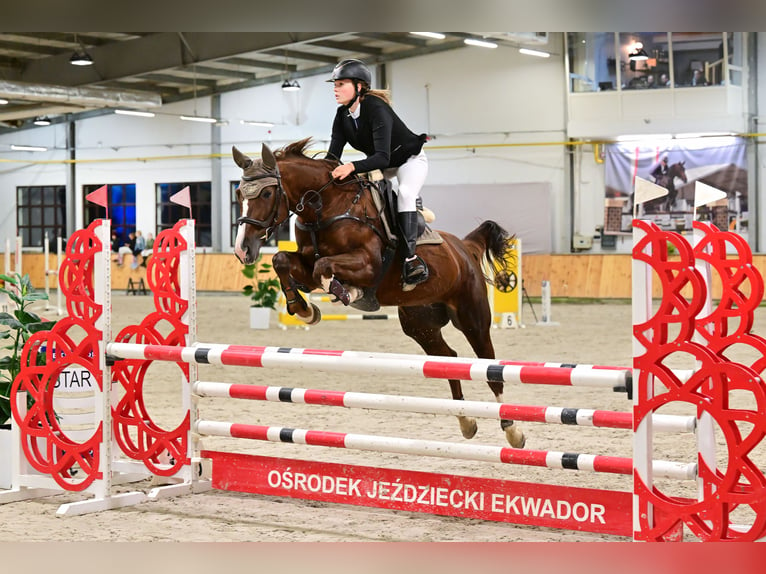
{"points": [[676, 165]]}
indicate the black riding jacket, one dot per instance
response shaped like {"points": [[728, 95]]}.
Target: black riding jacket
{"points": [[380, 134]]}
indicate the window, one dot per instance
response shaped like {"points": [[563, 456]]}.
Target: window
{"points": [[122, 208], [168, 214], [40, 210], [644, 61], [598, 63], [698, 58], [592, 64], [282, 234]]}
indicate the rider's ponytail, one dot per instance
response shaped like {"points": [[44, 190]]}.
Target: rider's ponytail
{"points": [[365, 90]]}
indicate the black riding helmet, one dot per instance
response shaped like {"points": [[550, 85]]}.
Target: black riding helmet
{"points": [[351, 70]]}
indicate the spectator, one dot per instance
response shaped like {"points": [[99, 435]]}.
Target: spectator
{"points": [[139, 245], [664, 80], [650, 82], [148, 248], [115, 245], [698, 78], [126, 248]]}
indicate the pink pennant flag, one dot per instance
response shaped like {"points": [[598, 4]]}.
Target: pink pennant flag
{"points": [[99, 197], [183, 198]]}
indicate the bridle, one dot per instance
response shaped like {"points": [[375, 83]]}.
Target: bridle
{"points": [[270, 223]]}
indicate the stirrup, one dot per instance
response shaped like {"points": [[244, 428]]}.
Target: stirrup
{"points": [[414, 273]]}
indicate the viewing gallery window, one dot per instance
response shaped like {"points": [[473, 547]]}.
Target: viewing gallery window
{"points": [[604, 61], [282, 233], [168, 213], [644, 60], [122, 208], [40, 209]]}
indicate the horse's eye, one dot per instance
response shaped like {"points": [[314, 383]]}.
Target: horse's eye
{"points": [[266, 194]]}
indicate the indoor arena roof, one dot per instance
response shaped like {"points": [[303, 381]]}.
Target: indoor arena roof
{"points": [[142, 71]]}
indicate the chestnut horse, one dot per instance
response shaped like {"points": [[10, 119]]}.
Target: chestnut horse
{"points": [[341, 240]]}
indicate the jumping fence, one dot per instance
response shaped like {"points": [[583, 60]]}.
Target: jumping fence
{"points": [[127, 445]]}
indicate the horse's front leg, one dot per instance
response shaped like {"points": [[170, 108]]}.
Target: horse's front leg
{"points": [[345, 275], [291, 270]]}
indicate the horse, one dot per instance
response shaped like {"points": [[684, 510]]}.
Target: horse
{"points": [[341, 243], [666, 203]]}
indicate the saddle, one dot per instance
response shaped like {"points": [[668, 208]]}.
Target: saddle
{"points": [[386, 201]]}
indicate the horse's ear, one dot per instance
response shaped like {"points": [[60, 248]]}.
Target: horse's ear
{"points": [[269, 161], [240, 159], [683, 163]]}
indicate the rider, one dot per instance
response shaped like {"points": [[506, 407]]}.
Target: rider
{"points": [[660, 170], [366, 121]]}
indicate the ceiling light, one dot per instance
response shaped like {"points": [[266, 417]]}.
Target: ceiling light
{"points": [[3, 101], [134, 113], [81, 59], [199, 119], [252, 123], [434, 35], [289, 86], [537, 53], [42, 121], [479, 43], [638, 53], [28, 148]]}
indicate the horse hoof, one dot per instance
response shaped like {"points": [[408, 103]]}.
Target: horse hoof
{"points": [[468, 427], [515, 436], [316, 315]]}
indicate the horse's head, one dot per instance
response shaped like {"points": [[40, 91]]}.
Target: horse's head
{"points": [[260, 197], [678, 170]]}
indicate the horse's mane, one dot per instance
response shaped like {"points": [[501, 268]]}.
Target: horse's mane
{"points": [[297, 150]]}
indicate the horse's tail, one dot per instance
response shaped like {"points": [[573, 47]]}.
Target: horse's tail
{"points": [[494, 243]]}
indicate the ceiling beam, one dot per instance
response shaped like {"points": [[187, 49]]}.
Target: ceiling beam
{"points": [[298, 55], [222, 72], [353, 47], [395, 38], [158, 53], [184, 81], [250, 63], [30, 48], [85, 39], [143, 86]]}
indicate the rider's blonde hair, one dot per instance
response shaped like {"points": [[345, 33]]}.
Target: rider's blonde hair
{"points": [[384, 95]]}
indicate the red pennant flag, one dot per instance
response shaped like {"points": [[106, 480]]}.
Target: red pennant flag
{"points": [[99, 197], [183, 198]]}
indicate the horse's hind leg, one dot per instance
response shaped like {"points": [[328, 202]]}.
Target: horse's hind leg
{"points": [[424, 324], [475, 323]]}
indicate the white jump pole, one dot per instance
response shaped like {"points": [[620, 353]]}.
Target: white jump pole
{"points": [[54, 272], [545, 293]]}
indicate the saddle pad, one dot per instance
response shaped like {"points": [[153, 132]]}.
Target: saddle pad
{"points": [[428, 237]]}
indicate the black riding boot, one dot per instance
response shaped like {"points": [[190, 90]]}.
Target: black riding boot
{"points": [[414, 270]]}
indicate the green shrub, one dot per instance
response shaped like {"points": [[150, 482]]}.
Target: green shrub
{"points": [[15, 330]]}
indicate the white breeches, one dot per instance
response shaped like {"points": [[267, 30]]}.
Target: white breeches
{"points": [[411, 176]]}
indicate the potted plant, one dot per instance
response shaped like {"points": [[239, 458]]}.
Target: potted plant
{"points": [[15, 329], [263, 292]]}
